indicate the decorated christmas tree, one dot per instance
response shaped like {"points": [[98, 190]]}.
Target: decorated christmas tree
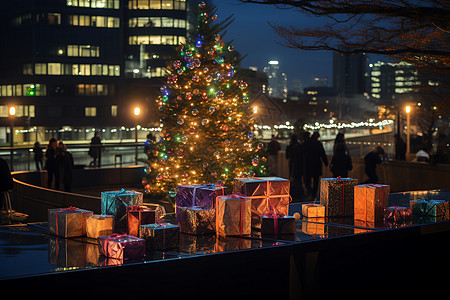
{"points": [[207, 124]]}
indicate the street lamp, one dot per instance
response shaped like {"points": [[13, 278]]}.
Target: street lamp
{"points": [[12, 115], [408, 129], [137, 112]]}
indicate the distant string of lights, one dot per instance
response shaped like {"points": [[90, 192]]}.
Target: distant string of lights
{"points": [[351, 125]]}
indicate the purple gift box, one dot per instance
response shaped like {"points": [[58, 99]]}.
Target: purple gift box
{"points": [[203, 196], [121, 246]]}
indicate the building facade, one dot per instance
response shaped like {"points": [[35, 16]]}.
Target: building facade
{"points": [[69, 66], [277, 80]]}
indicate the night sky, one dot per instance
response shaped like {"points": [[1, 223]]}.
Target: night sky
{"points": [[252, 35]]}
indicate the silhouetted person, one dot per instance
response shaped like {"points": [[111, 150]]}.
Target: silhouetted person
{"points": [[95, 150], [50, 164], [65, 165], [371, 160], [6, 181], [272, 149], [314, 156], [149, 145], [38, 156], [341, 162], [400, 148], [294, 155], [340, 139]]}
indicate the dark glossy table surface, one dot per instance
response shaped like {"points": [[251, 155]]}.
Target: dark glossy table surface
{"points": [[28, 249]]}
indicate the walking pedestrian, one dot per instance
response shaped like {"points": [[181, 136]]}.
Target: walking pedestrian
{"points": [[51, 164], [272, 149], [313, 158], [340, 139], [400, 148], [95, 150], [294, 156], [65, 164], [38, 156], [371, 160], [341, 163]]}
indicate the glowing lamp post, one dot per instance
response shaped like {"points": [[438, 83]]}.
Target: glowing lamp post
{"points": [[137, 112], [12, 115], [408, 129]]}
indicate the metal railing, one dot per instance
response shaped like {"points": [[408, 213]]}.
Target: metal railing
{"points": [[21, 158]]}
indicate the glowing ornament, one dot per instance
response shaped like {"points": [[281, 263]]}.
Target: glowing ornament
{"points": [[260, 146], [180, 121], [208, 78], [212, 109], [250, 135], [219, 95], [230, 48], [219, 60], [205, 122], [226, 143], [255, 162], [176, 64], [195, 111]]}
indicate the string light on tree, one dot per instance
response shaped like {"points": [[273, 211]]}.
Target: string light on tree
{"points": [[207, 124]]}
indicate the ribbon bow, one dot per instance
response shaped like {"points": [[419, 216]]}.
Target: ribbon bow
{"points": [[70, 208]]}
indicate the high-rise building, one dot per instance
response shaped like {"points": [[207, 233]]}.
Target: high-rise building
{"points": [[84, 63], [389, 80], [349, 74], [277, 80]]}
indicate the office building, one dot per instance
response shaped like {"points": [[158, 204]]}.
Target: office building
{"points": [[390, 80], [277, 80], [350, 72], [72, 65]]}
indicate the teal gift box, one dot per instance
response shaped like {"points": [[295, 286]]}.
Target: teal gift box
{"points": [[426, 211], [115, 203]]}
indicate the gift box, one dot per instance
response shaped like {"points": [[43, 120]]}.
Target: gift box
{"points": [[115, 203], [66, 253], [233, 215], [197, 244], [137, 216], [160, 236], [275, 224], [267, 194], [121, 246], [68, 222], [336, 194], [197, 195], [397, 215], [197, 220], [313, 210], [430, 210], [99, 225], [370, 201]]}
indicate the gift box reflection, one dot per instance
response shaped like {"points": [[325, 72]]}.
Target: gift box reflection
{"points": [[267, 194], [197, 244], [115, 203], [314, 226], [231, 243], [67, 252]]}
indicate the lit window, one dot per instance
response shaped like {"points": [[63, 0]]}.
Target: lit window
{"points": [[54, 18], [167, 4], [40, 69], [90, 111], [54, 69], [113, 110], [155, 4]]}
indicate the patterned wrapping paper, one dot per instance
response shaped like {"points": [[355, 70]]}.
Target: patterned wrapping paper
{"points": [[275, 224], [137, 216], [161, 236], [197, 220], [99, 225], [397, 216], [115, 203], [197, 244], [268, 194], [233, 215], [68, 222], [426, 211], [313, 210], [64, 252], [370, 201], [121, 246], [197, 195], [336, 194]]}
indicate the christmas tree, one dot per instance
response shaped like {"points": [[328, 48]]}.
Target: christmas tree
{"points": [[207, 124]]}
